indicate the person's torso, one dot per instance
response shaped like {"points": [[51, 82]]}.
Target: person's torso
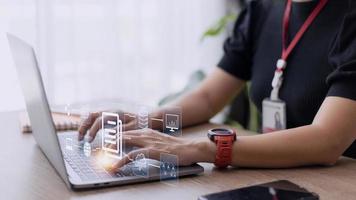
{"points": [[304, 87]]}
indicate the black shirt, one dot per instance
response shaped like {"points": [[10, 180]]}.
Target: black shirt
{"points": [[322, 64]]}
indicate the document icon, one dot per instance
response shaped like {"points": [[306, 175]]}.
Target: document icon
{"points": [[112, 134]]}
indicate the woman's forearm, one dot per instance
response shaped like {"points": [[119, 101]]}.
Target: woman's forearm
{"points": [[208, 99], [307, 145], [322, 142], [194, 107]]}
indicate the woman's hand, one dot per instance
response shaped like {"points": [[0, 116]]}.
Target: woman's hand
{"points": [[92, 124], [152, 143]]}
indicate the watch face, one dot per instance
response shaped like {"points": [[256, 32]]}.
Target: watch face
{"points": [[220, 132]]}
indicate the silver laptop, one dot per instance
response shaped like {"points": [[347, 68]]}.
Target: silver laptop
{"points": [[77, 169]]}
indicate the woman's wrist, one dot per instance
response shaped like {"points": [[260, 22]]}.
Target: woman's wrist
{"points": [[205, 150]]}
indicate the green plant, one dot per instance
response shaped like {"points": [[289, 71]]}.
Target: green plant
{"points": [[219, 26]]}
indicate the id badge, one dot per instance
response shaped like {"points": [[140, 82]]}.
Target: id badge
{"points": [[274, 115]]}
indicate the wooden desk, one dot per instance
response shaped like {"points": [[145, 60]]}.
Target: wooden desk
{"points": [[26, 174]]}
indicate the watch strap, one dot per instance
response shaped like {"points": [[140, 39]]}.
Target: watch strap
{"points": [[223, 155]]}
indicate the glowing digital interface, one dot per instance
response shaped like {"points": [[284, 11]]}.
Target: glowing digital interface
{"points": [[172, 122], [69, 144], [140, 165], [168, 167], [103, 152], [112, 134], [143, 118], [87, 149]]}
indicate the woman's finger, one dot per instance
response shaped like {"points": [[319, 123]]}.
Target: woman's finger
{"points": [[97, 125], [131, 125], [136, 132], [94, 129], [130, 157], [126, 159], [128, 117], [145, 131], [138, 140], [86, 124]]}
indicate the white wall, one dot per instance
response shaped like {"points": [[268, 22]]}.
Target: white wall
{"points": [[17, 17], [96, 49]]}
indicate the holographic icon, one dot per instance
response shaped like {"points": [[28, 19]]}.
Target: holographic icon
{"points": [[143, 118], [140, 165], [67, 109], [169, 170], [168, 167], [87, 149], [111, 135], [141, 161], [69, 144], [172, 122]]}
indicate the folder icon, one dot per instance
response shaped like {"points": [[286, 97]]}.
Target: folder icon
{"points": [[111, 134]]}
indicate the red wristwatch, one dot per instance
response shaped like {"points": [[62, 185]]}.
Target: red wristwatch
{"points": [[223, 138]]}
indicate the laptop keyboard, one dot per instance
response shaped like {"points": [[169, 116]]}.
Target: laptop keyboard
{"points": [[88, 168]]}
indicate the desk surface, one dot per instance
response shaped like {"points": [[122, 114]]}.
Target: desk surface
{"points": [[26, 174]]}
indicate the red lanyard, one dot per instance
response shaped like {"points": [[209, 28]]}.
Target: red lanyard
{"points": [[287, 50], [282, 63]]}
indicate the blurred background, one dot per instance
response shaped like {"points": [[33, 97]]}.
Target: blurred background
{"points": [[138, 50]]}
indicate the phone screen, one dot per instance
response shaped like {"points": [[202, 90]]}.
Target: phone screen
{"points": [[265, 192]]}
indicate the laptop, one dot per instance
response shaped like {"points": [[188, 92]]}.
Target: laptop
{"points": [[73, 165]]}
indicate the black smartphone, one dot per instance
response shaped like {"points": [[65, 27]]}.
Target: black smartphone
{"points": [[278, 190]]}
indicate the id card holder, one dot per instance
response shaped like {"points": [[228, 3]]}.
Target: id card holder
{"points": [[274, 115]]}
